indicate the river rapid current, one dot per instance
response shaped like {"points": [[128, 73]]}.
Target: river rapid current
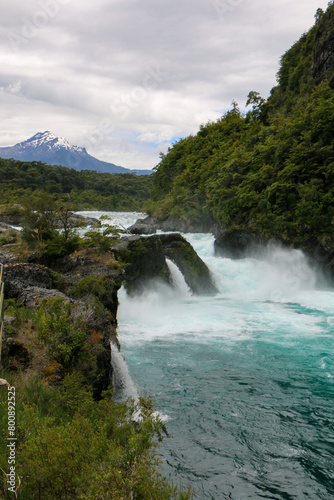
{"points": [[245, 378]]}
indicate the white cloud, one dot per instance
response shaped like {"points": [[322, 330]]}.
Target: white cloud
{"points": [[134, 74]]}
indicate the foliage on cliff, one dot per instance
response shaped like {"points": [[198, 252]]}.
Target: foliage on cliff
{"points": [[89, 189], [73, 447], [73, 443], [271, 169]]}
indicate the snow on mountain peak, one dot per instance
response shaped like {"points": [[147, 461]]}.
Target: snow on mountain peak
{"points": [[49, 140]]}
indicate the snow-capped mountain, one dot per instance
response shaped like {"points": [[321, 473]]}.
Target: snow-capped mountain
{"points": [[47, 148]]}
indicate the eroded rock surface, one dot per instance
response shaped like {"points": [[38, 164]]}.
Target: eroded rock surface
{"points": [[146, 260]]}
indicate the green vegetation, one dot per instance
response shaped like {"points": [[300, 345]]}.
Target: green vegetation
{"points": [[73, 440], [269, 170], [71, 445], [88, 189], [64, 335], [50, 229], [101, 236]]}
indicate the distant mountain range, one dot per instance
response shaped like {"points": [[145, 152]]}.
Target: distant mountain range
{"points": [[47, 148]]}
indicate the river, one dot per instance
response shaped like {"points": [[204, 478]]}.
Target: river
{"points": [[244, 379]]}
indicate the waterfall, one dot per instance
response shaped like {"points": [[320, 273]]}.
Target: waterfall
{"points": [[122, 382], [178, 279]]}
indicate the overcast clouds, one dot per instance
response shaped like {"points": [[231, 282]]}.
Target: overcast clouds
{"points": [[124, 78]]}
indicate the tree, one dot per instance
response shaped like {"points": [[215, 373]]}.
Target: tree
{"points": [[39, 222], [319, 14], [49, 227], [257, 103]]}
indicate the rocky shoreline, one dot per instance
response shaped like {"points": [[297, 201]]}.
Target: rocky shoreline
{"points": [[89, 282]]}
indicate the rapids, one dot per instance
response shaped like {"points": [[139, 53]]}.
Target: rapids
{"points": [[245, 377]]}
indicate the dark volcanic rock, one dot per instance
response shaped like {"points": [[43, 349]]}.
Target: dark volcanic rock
{"points": [[20, 277], [237, 244], [30, 283], [94, 298], [151, 224], [194, 270], [7, 257], [241, 243], [146, 259]]}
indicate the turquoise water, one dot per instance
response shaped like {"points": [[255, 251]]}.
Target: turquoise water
{"points": [[245, 379]]}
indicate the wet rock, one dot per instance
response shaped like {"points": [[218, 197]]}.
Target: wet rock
{"points": [[241, 243], [152, 224], [194, 270], [146, 260], [238, 243]]}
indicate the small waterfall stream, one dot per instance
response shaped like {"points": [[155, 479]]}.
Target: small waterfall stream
{"points": [[244, 377], [122, 382], [179, 282]]}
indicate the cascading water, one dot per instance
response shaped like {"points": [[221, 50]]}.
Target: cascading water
{"points": [[246, 376], [122, 382], [178, 281]]}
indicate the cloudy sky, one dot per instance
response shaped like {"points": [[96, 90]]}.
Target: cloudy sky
{"points": [[126, 78]]}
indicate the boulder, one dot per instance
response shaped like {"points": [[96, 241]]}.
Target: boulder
{"points": [[21, 277], [194, 270], [238, 243], [145, 259]]}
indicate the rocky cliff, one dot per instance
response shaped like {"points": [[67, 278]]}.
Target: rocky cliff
{"points": [[239, 243], [323, 56], [88, 286], [145, 259], [78, 294], [151, 224]]}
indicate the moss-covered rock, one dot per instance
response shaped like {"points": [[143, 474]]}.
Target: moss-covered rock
{"points": [[145, 259], [194, 270]]}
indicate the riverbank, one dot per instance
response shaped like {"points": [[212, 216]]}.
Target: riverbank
{"points": [[60, 319]]}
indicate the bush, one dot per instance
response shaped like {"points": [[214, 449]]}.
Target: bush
{"points": [[63, 335], [72, 447]]}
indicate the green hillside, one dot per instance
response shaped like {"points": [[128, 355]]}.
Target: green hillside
{"points": [[270, 170], [88, 189]]}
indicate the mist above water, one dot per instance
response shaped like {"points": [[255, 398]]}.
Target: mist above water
{"points": [[245, 376]]}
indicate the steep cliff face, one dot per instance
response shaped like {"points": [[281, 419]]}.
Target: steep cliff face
{"points": [[323, 56], [85, 285]]}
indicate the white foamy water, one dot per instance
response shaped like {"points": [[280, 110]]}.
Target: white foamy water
{"points": [[246, 376], [122, 382], [179, 283], [118, 219]]}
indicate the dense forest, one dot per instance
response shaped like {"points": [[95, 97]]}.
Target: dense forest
{"points": [[271, 169], [87, 189]]}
